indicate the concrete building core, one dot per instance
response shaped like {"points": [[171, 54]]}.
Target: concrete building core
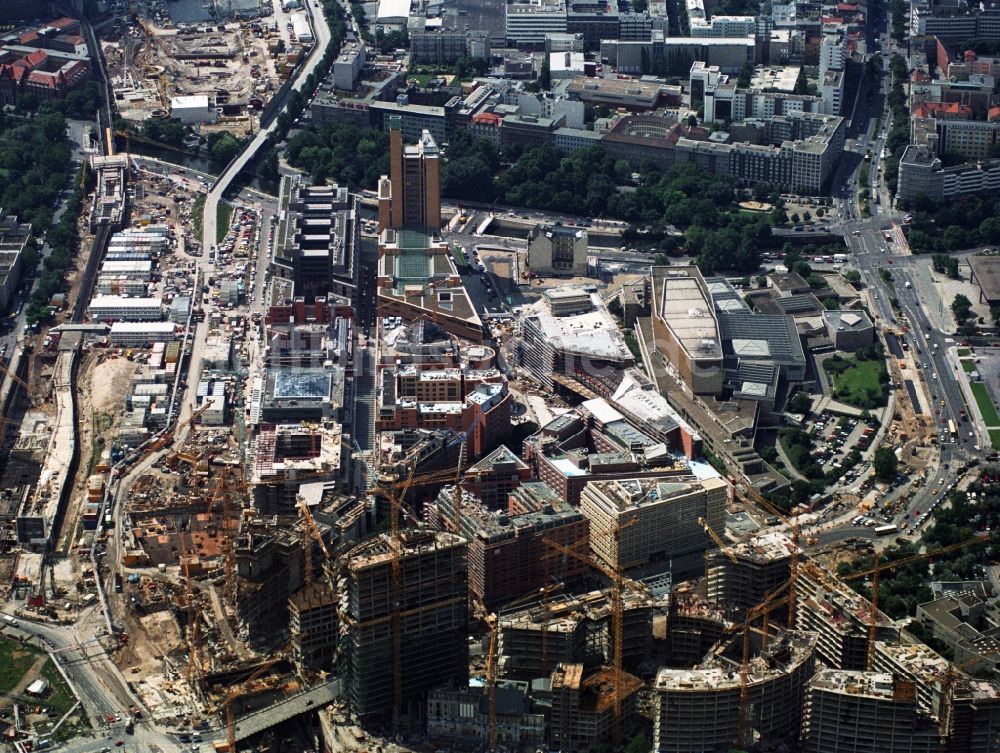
{"points": [[433, 621]]}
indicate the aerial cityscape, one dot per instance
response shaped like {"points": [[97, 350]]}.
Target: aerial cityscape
{"points": [[500, 376]]}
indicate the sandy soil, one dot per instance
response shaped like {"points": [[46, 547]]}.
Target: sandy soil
{"points": [[109, 382]]}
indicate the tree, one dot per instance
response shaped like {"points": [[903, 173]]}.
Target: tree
{"points": [[638, 744], [801, 83], [961, 307], [885, 463], [223, 147], [853, 276], [800, 403], [746, 74], [545, 76]]}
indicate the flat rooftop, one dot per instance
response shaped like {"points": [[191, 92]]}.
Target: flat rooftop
{"points": [[593, 333], [686, 309]]}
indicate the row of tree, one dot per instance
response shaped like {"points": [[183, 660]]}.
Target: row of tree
{"points": [[954, 225]]}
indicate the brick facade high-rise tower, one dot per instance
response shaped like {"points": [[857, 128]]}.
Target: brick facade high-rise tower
{"points": [[410, 196]]}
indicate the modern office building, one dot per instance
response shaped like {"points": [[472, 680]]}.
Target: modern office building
{"points": [[527, 22], [569, 335], [508, 554], [318, 239], [637, 522], [410, 197]]}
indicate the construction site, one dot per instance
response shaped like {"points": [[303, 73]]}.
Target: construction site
{"points": [[215, 76]]}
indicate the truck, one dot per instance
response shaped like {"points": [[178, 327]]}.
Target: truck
{"points": [[840, 258], [907, 285]]}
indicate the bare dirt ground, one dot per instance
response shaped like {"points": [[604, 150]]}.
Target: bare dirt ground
{"points": [[103, 382]]}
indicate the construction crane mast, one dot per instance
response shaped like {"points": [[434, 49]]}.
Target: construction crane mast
{"points": [[793, 565], [880, 568], [311, 534], [619, 582]]}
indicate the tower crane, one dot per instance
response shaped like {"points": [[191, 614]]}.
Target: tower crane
{"points": [[161, 441], [311, 534], [619, 582], [793, 566], [224, 490], [493, 624], [880, 568], [723, 546], [395, 546]]}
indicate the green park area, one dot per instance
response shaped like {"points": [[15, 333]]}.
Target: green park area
{"points": [[968, 366], [20, 665], [862, 383], [986, 407], [15, 660]]}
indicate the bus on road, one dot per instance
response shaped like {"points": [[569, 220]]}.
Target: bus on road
{"points": [[886, 529], [952, 429]]}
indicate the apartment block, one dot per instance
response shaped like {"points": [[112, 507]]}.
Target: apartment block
{"points": [[636, 522], [433, 622], [557, 250], [921, 173]]}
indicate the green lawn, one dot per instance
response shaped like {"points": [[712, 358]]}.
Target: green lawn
{"points": [[15, 660], [968, 366], [986, 407], [197, 209], [995, 438], [223, 217], [964, 352], [61, 698], [855, 385]]}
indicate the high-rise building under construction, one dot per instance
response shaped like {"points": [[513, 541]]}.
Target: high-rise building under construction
{"points": [[431, 613]]}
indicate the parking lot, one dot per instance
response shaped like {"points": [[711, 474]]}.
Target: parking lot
{"points": [[836, 437]]}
